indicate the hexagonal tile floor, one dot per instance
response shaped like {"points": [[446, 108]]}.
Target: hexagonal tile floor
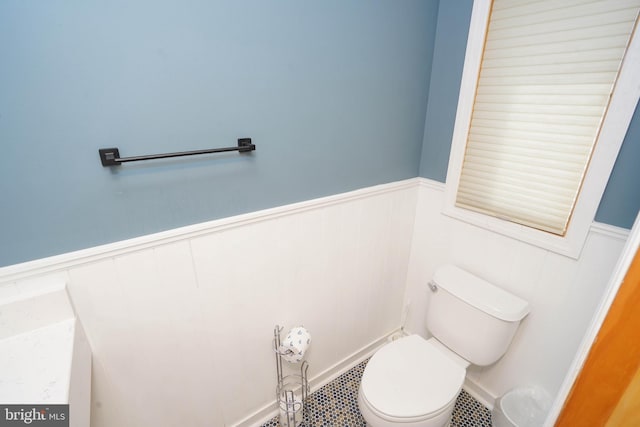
{"points": [[336, 405]]}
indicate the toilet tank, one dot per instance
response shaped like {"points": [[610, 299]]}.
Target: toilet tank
{"points": [[472, 317]]}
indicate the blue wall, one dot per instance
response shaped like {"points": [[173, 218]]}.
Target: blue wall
{"points": [[448, 60], [337, 95], [333, 93], [621, 201]]}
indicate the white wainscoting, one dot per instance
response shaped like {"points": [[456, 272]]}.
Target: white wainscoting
{"points": [[563, 292], [180, 323]]}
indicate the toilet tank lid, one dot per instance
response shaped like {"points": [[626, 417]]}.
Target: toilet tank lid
{"points": [[481, 294]]}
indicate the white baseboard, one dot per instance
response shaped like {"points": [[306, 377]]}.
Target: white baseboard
{"points": [[269, 411], [479, 393]]}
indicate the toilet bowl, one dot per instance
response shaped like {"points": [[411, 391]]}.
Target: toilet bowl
{"points": [[414, 382], [411, 382]]}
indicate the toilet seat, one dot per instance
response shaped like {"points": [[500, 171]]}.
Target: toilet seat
{"points": [[402, 420], [410, 380]]}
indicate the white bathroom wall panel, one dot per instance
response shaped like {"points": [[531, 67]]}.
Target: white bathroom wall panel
{"points": [[563, 292], [180, 324]]}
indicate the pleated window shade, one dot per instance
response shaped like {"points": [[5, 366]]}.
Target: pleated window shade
{"points": [[547, 73]]}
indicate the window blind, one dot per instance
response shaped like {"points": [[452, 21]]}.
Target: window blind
{"points": [[547, 73]]}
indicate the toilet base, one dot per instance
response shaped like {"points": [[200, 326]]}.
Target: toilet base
{"points": [[374, 419]]}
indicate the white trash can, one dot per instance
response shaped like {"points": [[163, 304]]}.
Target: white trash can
{"points": [[522, 407]]}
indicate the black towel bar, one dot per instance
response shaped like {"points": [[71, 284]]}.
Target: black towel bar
{"points": [[111, 156]]}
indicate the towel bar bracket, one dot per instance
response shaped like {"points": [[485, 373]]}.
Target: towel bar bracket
{"points": [[111, 156]]}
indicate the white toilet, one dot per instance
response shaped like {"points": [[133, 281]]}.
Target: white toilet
{"points": [[413, 382]]}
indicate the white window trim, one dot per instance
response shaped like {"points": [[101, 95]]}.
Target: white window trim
{"points": [[614, 128]]}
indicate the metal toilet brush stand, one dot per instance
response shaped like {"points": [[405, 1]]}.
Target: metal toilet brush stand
{"points": [[292, 389]]}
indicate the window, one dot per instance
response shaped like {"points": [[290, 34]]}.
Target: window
{"points": [[536, 95]]}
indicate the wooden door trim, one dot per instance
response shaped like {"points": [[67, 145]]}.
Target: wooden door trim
{"points": [[612, 361], [626, 257]]}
